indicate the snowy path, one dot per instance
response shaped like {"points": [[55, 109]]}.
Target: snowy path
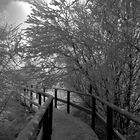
{"points": [[66, 127]]}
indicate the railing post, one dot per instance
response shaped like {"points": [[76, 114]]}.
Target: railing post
{"points": [[93, 113], [109, 123], [55, 98], [44, 95], [27, 95], [51, 116], [36, 93], [24, 95], [46, 130], [39, 98], [68, 102], [31, 95]]}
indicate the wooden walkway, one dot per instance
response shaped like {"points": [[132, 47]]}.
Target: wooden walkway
{"points": [[67, 127]]}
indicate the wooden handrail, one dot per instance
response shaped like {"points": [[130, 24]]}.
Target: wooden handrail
{"points": [[40, 127], [119, 110], [73, 92], [114, 107], [110, 108]]}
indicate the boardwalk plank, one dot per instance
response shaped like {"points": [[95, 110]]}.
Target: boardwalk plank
{"points": [[67, 127]]}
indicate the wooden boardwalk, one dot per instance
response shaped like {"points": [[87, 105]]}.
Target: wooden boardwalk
{"points": [[67, 127]]}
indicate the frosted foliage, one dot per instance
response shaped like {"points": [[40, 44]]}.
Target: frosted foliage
{"points": [[91, 45]]}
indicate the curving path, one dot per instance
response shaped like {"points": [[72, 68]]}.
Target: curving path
{"points": [[67, 127]]}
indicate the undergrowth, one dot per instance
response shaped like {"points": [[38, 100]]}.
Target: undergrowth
{"points": [[14, 118]]}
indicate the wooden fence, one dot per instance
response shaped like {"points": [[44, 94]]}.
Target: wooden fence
{"points": [[40, 127], [110, 130]]}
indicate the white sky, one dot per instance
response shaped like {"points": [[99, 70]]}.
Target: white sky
{"points": [[15, 11]]}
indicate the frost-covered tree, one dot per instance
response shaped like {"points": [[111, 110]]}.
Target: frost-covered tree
{"points": [[11, 110], [9, 44], [119, 27], [61, 38], [93, 39]]}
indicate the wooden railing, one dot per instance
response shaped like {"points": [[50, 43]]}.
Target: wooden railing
{"points": [[110, 130], [40, 127]]}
